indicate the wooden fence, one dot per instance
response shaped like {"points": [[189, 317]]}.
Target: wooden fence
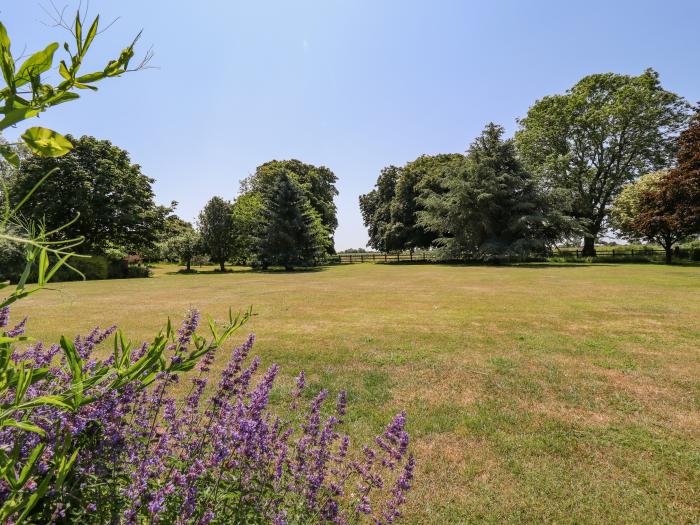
{"points": [[605, 251], [344, 258]]}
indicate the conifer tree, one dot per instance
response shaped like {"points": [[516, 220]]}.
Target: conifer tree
{"points": [[291, 232], [490, 205]]}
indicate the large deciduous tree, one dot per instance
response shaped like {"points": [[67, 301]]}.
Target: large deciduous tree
{"points": [[247, 212], [97, 183], [605, 131], [215, 224], [489, 204], [291, 232], [390, 211], [375, 207], [185, 247]]}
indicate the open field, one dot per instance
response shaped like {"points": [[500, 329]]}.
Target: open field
{"points": [[536, 394]]}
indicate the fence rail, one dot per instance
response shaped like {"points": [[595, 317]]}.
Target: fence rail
{"points": [[384, 257], [376, 257]]}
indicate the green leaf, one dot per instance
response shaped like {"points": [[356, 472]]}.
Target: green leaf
{"points": [[16, 115], [6, 62], [79, 33], [10, 155], [4, 39], [24, 426], [63, 71], [36, 64], [60, 98], [92, 32], [92, 77], [46, 142], [45, 400]]}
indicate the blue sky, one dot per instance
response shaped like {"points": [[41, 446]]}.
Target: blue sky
{"points": [[351, 84]]}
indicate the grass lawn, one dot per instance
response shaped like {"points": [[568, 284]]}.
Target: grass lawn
{"points": [[535, 394]]}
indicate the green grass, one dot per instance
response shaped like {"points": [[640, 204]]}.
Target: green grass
{"points": [[536, 394]]}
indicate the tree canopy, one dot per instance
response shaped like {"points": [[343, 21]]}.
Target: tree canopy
{"points": [[375, 207], [291, 231], [96, 184], [664, 207], [605, 131], [316, 182], [215, 225], [489, 204], [390, 211]]}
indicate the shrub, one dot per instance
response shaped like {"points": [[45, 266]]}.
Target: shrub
{"points": [[93, 267], [12, 260], [138, 271], [139, 455]]}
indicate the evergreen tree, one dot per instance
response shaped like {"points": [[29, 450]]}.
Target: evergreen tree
{"points": [[292, 232], [490, 205], [316, 182], [216, 228]]}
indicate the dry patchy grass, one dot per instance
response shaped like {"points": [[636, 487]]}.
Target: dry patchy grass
{"points": [[536, 394]]}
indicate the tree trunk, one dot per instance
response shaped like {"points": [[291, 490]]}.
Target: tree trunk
{"points": [[221, 265], [588, 247], [669, 254], [189, 262], [288, 268]]}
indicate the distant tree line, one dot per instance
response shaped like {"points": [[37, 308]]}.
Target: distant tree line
{"points": [[614, 153], [556, 181], [284, 215]]}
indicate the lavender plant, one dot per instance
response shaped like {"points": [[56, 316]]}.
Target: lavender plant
{"points": [[220, 455], [48, 405]]}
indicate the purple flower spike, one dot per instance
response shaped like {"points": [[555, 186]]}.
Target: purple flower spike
{"points": [[4, 316]]}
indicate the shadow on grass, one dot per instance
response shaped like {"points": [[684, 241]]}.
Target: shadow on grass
{"points": [[241, 269]]}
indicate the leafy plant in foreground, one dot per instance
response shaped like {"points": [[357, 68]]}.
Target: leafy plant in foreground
{"points": [[44, 406], [144, 457]]}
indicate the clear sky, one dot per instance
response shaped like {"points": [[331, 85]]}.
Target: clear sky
{"points": [[352, 84]]}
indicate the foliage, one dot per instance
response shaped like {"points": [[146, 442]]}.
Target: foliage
{"points": [[375, 207], [426, 173], [247, 213], [12, 256], [291, 232], [26, 96], [489, 205], [316, 182], [223, 459], [391, 210], [185, 247], [138, 271], [605, 131], [96, 180], [49, 411], [665, 207], [216, 228]]}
